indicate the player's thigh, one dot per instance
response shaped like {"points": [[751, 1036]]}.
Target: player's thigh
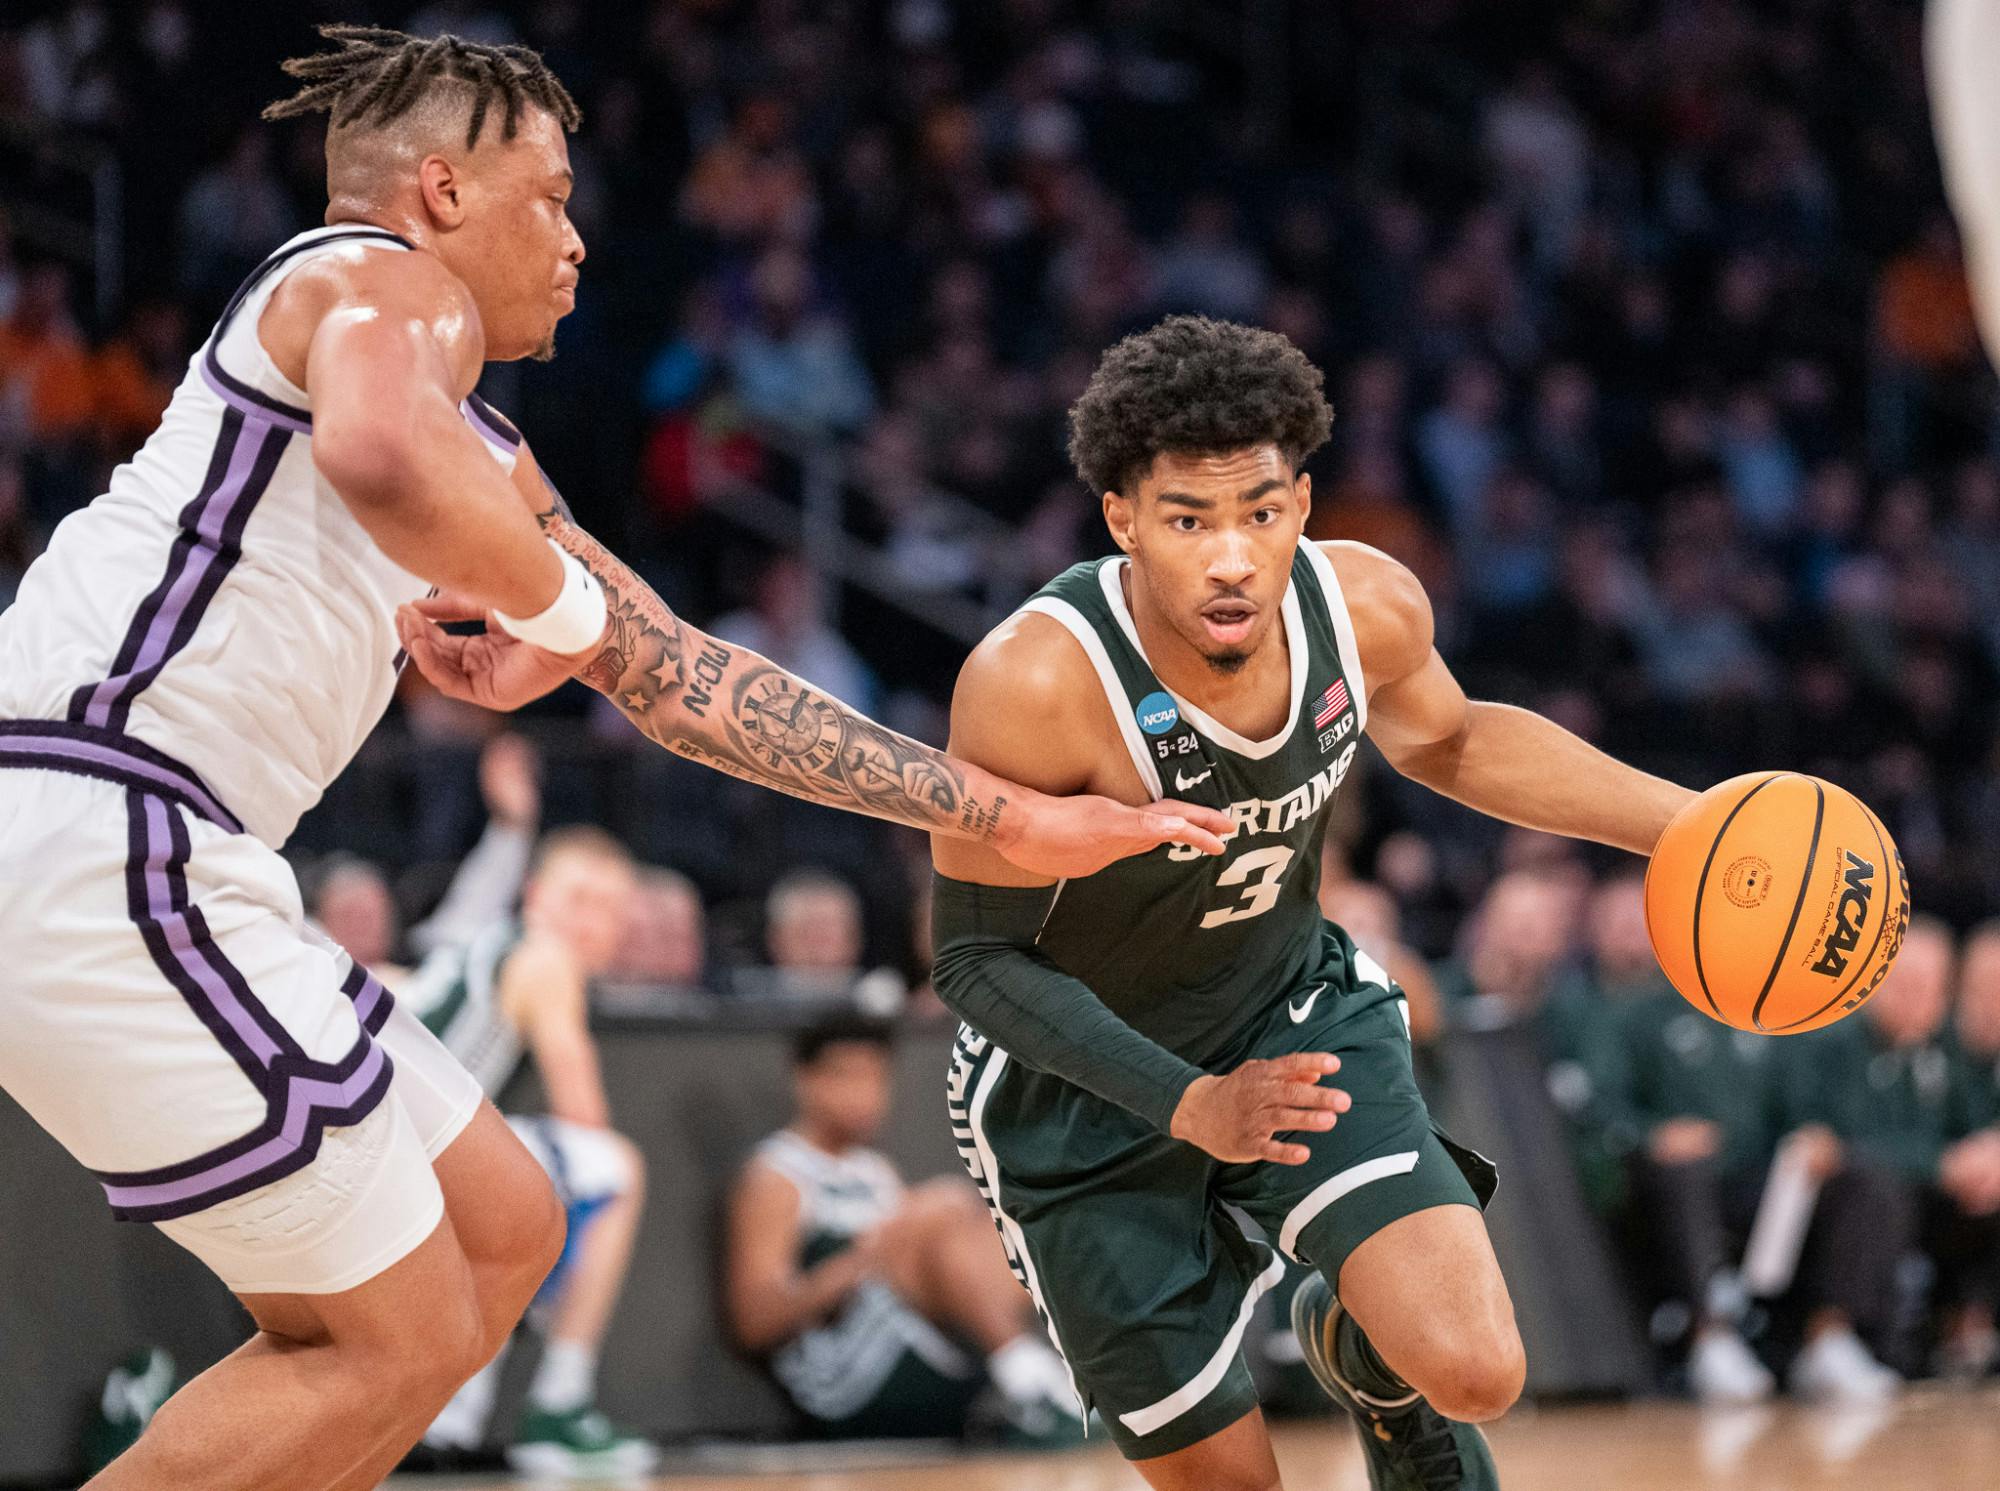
{"points": [[1381, 1161], [507, 1215], [372, 1325], [1146, 1283]]}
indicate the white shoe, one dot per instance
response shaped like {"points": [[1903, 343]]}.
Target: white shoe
{"points": [[1724, 1370], [1836, 1367]]}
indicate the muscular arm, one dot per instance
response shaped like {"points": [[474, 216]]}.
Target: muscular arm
{"points": [[1505, 762], [728, 708], [769, 1298], [387, 345], [543, 992]]}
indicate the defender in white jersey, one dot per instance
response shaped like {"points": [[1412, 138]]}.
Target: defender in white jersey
{"points": [[516, 991], [201, 651]]}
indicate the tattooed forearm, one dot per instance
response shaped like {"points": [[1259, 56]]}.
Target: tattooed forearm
{"points": [[740, 714]]}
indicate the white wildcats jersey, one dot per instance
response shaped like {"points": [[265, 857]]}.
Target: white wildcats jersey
{"points": [[219, 603]]}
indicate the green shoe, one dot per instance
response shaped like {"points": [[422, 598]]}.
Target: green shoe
{"points": [[133, 1393], [578, 1445], [1409, 1445]]}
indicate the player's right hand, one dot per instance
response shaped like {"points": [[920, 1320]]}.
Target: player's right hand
{"points": [[492, 670], [1071, 837], [1237, 1118]]}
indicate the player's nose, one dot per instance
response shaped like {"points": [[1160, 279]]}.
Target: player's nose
{"points": [[1233, 560]]}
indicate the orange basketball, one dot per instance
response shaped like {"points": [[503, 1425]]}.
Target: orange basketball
{"points": [[1776, 902]]}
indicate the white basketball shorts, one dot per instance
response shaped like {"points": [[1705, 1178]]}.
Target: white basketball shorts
{"points": [[224, 1071]]}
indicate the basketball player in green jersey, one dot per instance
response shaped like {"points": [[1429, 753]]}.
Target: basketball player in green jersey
{"points": [[1148, 1047]]}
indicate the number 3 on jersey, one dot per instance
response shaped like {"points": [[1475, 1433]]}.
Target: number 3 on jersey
{"points": [[1258, 895]]}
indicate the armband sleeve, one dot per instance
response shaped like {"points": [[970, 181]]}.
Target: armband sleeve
{"points": [[991, 974]]}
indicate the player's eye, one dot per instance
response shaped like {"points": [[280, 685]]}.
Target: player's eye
{"points": [[1183, 524], [1264, 515]]}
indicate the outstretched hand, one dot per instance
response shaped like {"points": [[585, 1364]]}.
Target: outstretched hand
{"points": [[490, 669], [1070, 837]]}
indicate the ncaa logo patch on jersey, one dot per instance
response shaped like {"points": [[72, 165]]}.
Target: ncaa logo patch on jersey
{"points": [[1157, 713]]}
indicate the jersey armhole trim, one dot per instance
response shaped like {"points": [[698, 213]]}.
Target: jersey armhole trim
{"points": [[1072, 620], [1343, 630]]}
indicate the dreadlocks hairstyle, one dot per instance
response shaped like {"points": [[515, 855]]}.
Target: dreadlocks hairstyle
{"points": [[379, 74], [1199, 387]]}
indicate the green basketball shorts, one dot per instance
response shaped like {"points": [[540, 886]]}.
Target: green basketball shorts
{"points": [[1125, 1237]]}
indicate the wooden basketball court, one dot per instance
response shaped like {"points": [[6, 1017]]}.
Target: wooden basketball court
{"points": [[1932, 1439]]}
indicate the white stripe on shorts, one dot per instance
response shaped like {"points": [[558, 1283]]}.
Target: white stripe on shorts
{"points": [[1146, 1420], [1328, 1191]]}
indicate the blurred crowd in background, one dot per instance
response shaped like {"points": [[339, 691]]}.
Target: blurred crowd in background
{"points": [[1650, 350]]}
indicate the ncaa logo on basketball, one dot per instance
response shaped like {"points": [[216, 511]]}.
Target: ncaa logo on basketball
{"points": [[1849, 914], [1157, 713]]}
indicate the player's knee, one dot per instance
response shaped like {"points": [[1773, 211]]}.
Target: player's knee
{"points": [[1479, 1381]]}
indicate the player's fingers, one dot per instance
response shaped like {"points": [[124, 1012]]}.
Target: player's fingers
{"points": [[447, 605], [1280, 1153], [1305, 1066], [1312, 1095], [1176, 827], [1285, 1120]]}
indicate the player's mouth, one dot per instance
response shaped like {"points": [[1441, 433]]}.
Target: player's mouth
{"points": [[1229, 620]]}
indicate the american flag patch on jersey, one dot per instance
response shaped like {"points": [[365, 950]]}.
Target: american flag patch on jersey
{"points": [[1332, 703]]}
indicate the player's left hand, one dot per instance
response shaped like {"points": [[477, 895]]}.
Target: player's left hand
{"points": [[490, 669], [1070, 837]]}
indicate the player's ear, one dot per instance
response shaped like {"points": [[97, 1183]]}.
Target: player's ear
{"points": [[1119, 513], [1302, 484], [442, 187]]}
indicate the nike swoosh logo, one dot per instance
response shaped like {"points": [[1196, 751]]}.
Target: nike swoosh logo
{"points": [[1181, 783], [1299, 1011]]}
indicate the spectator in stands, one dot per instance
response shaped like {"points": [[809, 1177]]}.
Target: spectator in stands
{"points": [[47, 392], [234, 214], [137, 372], [666, 938], [863, 1293], [1684, 1099], [350, 899], [814, 939], [1970, 1249], [785, 625], [517, 991], [794, 363], [1512, 949], [1870, 1103], [18, 540], [1370, 916]]}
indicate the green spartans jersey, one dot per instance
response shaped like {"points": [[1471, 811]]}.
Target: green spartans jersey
{"points": [[456, 993], [839, 1366], [1186, 948]]}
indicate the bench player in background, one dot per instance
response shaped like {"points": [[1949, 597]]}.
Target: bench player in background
{"points": [[202, 649], [861, 1291], [1147, 1048], [514, 992]]}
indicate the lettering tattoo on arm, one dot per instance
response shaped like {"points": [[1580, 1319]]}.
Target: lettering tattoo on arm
{"points": [[738, 713]]}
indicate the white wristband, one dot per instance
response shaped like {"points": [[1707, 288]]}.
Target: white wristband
{"points": [[573, 621]]}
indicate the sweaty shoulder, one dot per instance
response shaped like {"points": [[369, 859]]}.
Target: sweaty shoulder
{"points": [[1393, 625], [1029, 706], [407, 290]]}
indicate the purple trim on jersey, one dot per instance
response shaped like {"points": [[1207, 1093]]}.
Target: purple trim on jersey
{"points": [[247, 400], [207, 547], [303, 1097], [491, 423], [177, 936], [58, 745]]}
